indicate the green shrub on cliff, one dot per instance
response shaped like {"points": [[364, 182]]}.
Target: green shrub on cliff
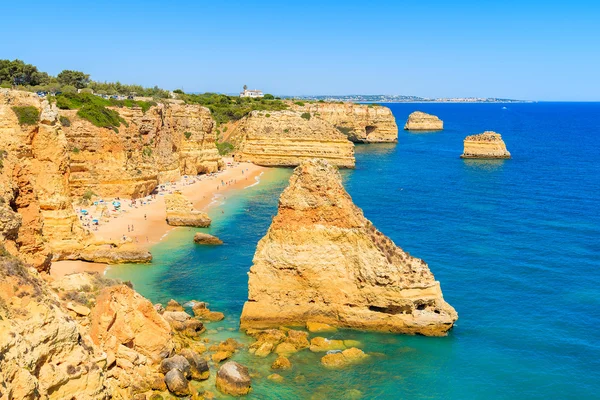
{"points": [[64, 121], [27, 115], [299, 103], [187, 135], [224, 148], [306, 116], [100, 116]]}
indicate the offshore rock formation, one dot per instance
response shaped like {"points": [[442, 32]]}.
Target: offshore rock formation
{"points": [[181, 212], [362, 123], [286, 138], [420, 121], [161, 145], [34, 183], [205, 238], [322, 260], [485, 145]]}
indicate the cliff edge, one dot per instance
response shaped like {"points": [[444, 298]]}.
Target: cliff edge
{"points": [[286, 138], [322, 260]]}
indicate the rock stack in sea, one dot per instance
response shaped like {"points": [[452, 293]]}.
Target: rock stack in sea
{"points": [[485, 145], [181, 212], [322, 260], [286, 138], [420, 121]]}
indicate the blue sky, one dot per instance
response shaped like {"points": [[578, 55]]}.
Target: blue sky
{"points": [[541, 50]]}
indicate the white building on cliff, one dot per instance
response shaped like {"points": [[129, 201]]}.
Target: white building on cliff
{"points": [[251, 93]]}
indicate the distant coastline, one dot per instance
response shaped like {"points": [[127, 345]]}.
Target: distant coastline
{"points": [[409, 99]]}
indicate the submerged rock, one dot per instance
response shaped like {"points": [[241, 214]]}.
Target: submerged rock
{"points": [[180, 212], [344, 358], [420, 121], [233, 379], [281, 362], [485, 145], [205, 238], [337, 267], [314, 326]]}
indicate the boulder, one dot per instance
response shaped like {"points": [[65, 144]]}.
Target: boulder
{"points": [[281, 362], [173, 305], [233, 379], [198, 365], [177, 383], [176, 362], [318, 344], [340, 359], [420, 121], [205, 238]]}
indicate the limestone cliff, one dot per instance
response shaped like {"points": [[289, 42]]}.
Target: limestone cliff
{"points": [[361, 123], [158, 146], [34, 183], [485, 145], [43, 353], [322, 260], [420, 121], [286, 138]]}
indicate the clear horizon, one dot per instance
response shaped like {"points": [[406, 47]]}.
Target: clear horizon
{"points": [[533, 50]]}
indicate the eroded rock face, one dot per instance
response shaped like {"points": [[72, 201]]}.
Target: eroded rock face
{"points": [[420, 121], [158, 146], [181, 212], [485, 145], [42, 351], [123, 317], [285, 138], [34, 183], [361, 123], [322, 260]]}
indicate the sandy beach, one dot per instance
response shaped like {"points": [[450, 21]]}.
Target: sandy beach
{"points": [[145, 222]]}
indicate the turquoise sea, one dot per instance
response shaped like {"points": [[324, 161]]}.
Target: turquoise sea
{"points": [[515, 244]]}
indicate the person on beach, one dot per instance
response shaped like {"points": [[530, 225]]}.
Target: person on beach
{"points": [[144, 217]]}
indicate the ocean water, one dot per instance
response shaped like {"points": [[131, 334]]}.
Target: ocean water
{"points": [[515, 244]]}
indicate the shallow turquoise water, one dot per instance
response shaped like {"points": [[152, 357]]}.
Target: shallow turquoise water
{"points": [[515, 244]]}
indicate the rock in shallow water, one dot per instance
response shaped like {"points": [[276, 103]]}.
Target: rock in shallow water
{"points": [[177, 383], [205, 238], [233, 379]]}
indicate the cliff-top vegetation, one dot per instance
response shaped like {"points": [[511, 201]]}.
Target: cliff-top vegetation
{"points": [[18, 74], [229, 108]]}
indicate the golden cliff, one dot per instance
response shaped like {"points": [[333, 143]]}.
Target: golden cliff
{"points": [[286, 138], [40, 223], [322, 260], [158, 146], [361, 123], [420, 121], [485, 145]]}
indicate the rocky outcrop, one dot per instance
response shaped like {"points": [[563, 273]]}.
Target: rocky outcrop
{"points": [[43, 353], [205, 238], [34, 183], [233, 379], [123, 317], [485, 145], [286, 138], [322, 260], [158, 146], [420, 121], [181, 212], [361, 123]]}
